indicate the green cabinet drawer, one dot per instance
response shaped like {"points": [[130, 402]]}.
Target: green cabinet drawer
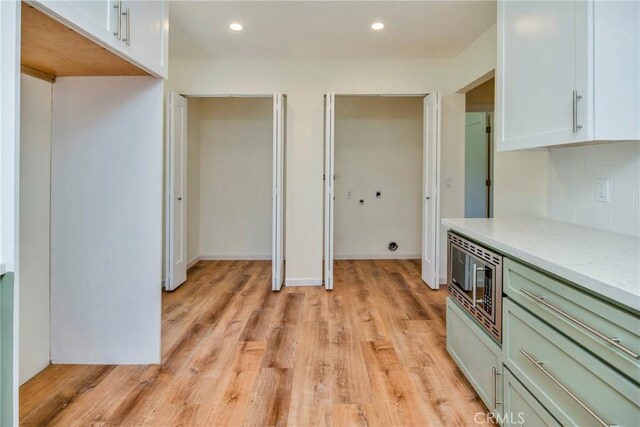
{"points": [[477, 355], [521, 408], [610, 332], [576, 387]]}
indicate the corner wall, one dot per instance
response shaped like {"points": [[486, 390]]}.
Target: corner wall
{"points": [[35, 219]]}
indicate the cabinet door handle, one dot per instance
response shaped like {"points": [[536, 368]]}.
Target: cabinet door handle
{"points": [[611, 341], [127, 14], [494, 386], [575, 398], [118, 6], [576, 98]]}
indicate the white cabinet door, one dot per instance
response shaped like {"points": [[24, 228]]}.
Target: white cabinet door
{"points": [[536, 73], [146, 28], [96, 19]]}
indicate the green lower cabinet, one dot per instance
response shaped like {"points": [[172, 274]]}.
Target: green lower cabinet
{"points": [[8, 388], [477, 355], [574, 386], [521, 408], [609, 332]]}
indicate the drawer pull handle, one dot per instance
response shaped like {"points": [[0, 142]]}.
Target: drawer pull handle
{"points": [[615, 342], [566, 390], [494, 386]]}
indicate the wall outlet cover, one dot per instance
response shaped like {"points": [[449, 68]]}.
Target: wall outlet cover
{"points": [[602, 190]]}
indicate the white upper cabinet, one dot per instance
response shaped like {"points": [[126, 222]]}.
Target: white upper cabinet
{"points": [[567, 72], [147, 26], [135, 30]]}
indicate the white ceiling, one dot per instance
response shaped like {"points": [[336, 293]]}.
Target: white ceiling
{"points": [[326, 29]]}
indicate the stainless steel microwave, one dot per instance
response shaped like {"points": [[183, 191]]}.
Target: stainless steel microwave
{"points": [[475, 282]]}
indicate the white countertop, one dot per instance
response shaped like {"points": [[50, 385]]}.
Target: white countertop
{"points": [[603, 262]]}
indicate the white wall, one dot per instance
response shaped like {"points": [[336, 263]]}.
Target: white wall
{"points": [[305, 83], [572, 186], [35, 180], [193, 180], [477, 62], [378, 147], [236, 158], [106, 220]]}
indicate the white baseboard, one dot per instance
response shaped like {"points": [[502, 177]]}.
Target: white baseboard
{"points": [[443, 280], [193, 262], [378, 256], [302, 282], [235, 257]]}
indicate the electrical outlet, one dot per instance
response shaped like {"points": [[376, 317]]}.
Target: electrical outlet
{"points": [[348, 194], [602, 190]]}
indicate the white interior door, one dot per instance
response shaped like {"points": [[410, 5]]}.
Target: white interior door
{"points": [[431, 191], [277, 236], [476, 165], [329, 197], [177, 193]]}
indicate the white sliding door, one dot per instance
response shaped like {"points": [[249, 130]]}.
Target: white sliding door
{"points": [[106, 220], [277, 229], [431, 191], [329, 197], [177, 194]]}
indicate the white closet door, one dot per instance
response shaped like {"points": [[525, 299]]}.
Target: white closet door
{"points": [[277, 237], [431, 191], [177, 229], [329, 197]]}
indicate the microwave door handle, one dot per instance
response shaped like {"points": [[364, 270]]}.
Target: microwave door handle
{"points": [[475, 281], [475, 284]]}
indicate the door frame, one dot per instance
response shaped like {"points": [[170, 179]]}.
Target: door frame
{"points": [[328, 170], [167, 176]]}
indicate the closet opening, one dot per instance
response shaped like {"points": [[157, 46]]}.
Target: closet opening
{"points": [[381, 180], [225, 183]]}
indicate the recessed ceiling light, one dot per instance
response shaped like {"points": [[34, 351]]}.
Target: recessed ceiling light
{"points": [[235, 26], [377, 26]]}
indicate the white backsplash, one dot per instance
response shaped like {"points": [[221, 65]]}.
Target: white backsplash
{"points": [[572, 186]]}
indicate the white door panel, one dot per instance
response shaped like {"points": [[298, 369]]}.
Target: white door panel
{"points": [[431, 191], [177, 247], [279, 123], [329, 143]]}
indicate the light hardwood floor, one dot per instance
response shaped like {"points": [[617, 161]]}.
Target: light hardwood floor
{"points": [[371, 352]]}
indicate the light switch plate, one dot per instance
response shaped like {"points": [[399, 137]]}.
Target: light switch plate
{"points": [[602, 190], [447, 182]]}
